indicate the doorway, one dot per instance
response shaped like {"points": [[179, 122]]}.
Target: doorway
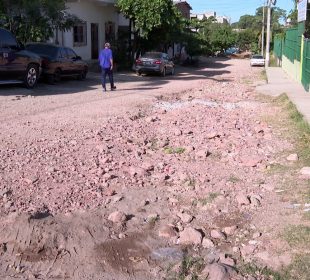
{"points": [[94, 41]]}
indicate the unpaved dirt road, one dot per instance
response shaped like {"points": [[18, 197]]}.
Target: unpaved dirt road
{"points": [[133, 183]]}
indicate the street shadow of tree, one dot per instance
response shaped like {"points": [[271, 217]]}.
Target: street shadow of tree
{"points": [[212, 69]]}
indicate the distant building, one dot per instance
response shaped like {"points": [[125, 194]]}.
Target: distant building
{"points": [[184, 8], [206, 15]]}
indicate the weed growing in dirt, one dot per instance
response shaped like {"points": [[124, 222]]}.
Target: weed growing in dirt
{"points": [[277, 168], [300, 129], [190, 267], [209, 199], [263, 75], [300, 268], [233, 179], [297, 236], [171, 150], [250, 269]]}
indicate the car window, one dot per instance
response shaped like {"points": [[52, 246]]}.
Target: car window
{"points": [[257, 56], [43, 50], [7, 39], [62, 53], [70, 53], [152, 55]]}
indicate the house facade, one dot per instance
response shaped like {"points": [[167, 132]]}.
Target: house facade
{"points": [[99, 23], [184, 8]]}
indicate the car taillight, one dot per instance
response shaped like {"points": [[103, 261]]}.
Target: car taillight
{"points": [[138, 61], [157, 62], [45, 62]]}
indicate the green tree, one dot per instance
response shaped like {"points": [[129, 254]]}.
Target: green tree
{"points": [[148, 15], [221, 37], [35, 20]]}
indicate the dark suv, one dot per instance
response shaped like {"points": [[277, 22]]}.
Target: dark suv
{"points": [[17, 65]]}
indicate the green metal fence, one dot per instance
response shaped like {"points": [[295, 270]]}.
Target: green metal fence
{"points": [[305, 74], [278, 47], [290, 44]]}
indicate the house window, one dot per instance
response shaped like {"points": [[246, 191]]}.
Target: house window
{"points": [[80, 34]]}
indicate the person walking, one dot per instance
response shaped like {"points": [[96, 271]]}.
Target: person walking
{"points": [[106, 64]]}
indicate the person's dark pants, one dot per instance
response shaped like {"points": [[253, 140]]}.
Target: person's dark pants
{"points": [[104, 73]]}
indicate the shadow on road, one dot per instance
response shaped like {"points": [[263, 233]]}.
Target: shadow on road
{"points": [[209, 68]]}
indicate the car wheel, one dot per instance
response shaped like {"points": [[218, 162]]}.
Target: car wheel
{"points": [[82, 75], [138, 73], [163, 73], [32, 75]]}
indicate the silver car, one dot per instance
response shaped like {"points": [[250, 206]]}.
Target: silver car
{"points": [[154, 62], [257, 60]]}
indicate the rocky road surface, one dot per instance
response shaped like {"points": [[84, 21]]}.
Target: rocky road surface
{"points": [[136, 183]]}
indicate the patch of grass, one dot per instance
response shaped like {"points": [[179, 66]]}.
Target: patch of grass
{"points": [[190, 267], [251, 269], [263, 75], [306, 216], [247, 81], [233, 179], [209, 199], [277, 168], [190, 182], [300, 129], [297, 236], [299, 269], [171, 150]]}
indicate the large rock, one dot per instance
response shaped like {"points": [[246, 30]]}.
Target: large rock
{"points": [[190, 236], [117, 217]]}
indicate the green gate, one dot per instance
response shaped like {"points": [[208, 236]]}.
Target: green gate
{"points": [[305, 77]]}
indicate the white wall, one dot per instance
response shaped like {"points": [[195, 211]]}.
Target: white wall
{"points": [[89, 12]]}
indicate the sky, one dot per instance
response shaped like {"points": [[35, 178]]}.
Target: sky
{"points": [[234, 9]]}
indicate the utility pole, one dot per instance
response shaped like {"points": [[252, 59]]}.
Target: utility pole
{"points": [[263, 29], [269, 3], [268, 33]]}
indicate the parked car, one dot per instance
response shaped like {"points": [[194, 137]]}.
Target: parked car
{"points": [[17, 65], [257, 60], [154, 62], [58, 62]]}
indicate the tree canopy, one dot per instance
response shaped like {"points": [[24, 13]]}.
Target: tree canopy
{"points": [[35, 20], [149, 15]]}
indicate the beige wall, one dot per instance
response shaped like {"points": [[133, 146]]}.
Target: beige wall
{"points": [[292, 69], [89, 12]]}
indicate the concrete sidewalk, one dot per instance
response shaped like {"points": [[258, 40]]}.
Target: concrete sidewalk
{"points": [[279, 82]]}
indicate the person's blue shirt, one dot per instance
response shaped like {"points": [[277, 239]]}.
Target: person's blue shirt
{"points": [[105, 57]]}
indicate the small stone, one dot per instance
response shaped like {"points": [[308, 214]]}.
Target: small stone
{"points": [[255, 202], [185, 218], [217, 271], [228, 261], [216, 234], [292, 157], [117, 217], [190, 236], [207, 243], [257, 235], [305, 171], [230, 230], [247, 250], [167, 231], [242, 199], [212, 135], [117, 198]]}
